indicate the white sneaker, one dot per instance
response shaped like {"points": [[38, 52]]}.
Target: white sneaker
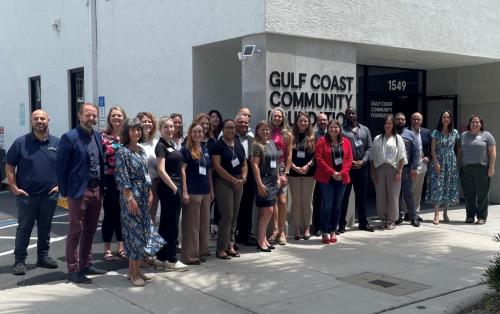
{"points": [[177, 266]]}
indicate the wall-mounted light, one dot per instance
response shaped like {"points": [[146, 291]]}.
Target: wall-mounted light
{"points": [[56, 25], [248, 51]]}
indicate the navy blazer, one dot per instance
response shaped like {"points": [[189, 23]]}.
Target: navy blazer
{"points": [[73, 163], [425, 136]]}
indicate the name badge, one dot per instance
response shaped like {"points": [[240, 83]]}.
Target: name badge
{"points": [[358, 142], [170, 149], [338, 161], [301, 154], [202, 170], [273, 164], [148, 178], [235, 162]]}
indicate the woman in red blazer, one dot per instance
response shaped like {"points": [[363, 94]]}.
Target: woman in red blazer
{"points": [[333, 162]]}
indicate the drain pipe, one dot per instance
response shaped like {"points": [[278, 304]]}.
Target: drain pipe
{"points": [[93, 49]]}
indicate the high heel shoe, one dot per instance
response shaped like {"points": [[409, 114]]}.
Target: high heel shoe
{"points": [[259, 248], [445, 217]]}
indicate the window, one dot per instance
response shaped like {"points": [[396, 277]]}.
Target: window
{"points": [[76, 94], [35, 93]]}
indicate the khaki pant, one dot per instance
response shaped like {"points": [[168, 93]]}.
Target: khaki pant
{"points": [[228, 200], [195, 228], [302, 190], [387, 192]]}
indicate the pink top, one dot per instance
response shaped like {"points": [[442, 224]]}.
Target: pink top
{"points": [[280, 143], [110, 145]]}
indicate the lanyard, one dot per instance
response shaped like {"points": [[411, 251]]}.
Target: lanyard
{"points": [[231, 149]]}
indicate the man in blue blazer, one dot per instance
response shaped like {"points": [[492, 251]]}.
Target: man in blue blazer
{"points": [[423, 139], [80, 175]]}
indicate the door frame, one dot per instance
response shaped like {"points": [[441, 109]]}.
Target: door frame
{"points": [[454, 99]]}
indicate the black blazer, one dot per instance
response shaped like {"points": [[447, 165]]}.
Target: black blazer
{"points": [[73, 163]]}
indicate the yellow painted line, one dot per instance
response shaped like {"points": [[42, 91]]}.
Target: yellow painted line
{"points": [[62, 202]]}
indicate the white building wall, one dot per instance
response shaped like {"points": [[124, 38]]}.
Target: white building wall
{"points": [[29, 47], [146, 48], [478, 90], [459, 27]]}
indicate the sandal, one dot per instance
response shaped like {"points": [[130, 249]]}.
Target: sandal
{"points": [[233, 253], [108, 256], [121, 254], [222, 256]]}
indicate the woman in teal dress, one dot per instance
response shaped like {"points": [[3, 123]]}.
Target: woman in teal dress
{"points": [[443, 181], [134, 183]]}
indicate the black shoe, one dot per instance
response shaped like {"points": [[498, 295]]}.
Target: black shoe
{"points": [[337, 232], [317, 233], [78, 277], [415, 223], [92, 270], [263, 250], [420, 219], [407, 217], [19, 269], [399, 221], [46, 262], [341, 229], [367, 228]]}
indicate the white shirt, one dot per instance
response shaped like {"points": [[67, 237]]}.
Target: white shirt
{"points": [[388, 151], [422, 166], [149, 148]]}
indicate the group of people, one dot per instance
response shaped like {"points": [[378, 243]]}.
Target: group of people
{"points": [[224, 166]]}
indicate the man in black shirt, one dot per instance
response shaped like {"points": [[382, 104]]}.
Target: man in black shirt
{"points": [[361, 142]]}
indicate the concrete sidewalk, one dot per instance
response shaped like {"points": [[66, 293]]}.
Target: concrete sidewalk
{"points": [[431, 269]]}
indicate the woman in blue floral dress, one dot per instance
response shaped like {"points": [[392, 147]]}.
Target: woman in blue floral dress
{"points": [[443, 181], [134, 183]]}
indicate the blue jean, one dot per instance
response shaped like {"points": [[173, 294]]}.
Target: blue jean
{"points": [[332, 194], [39, 208]]}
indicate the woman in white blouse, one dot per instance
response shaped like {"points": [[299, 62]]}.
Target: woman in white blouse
{"points": [[388, 158]]}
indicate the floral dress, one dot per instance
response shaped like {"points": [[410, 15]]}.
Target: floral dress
{"points": [[139, 234], [443, 189], [110, 146]]}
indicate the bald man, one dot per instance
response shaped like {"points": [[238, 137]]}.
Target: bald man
{"points": [[31, 174]]}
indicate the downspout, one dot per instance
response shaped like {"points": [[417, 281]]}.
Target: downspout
{"points": [[93, 50]]}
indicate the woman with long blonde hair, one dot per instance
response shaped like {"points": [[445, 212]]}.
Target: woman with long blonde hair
{"points": [[283, 139]]}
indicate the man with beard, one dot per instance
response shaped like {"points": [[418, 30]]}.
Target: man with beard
{"points": [[361, 140], [322, 123], [409, 171], [244, 225], [30, 169], [80, 174]]}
